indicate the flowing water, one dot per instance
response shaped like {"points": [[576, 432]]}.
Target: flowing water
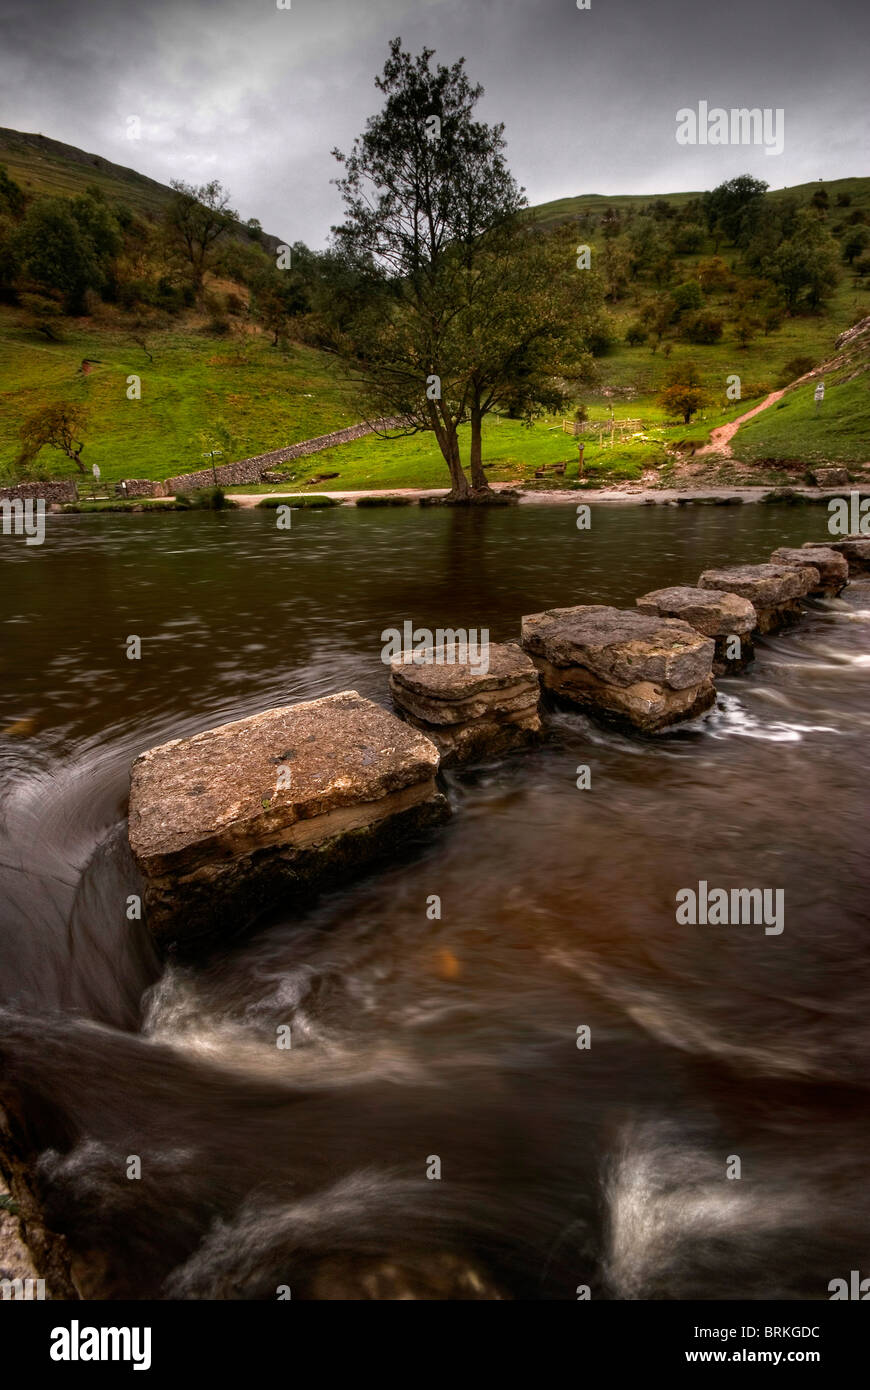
{"points": [[415, 1039]]}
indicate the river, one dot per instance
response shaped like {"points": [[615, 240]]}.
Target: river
{"points": [[561, 1168]]}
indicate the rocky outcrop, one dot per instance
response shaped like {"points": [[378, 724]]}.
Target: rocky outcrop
{"points": [[833, 568], [830, 477], [856, 549], [775, 591], [729, 619], [626, 667], [227, 823], [469, 713]]}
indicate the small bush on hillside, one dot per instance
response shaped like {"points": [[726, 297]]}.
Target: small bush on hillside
{"points": [[688, 296], [795, 367], [635, 334], [702, 327]]}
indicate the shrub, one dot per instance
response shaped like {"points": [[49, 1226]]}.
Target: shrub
{"points": [[702, 327], [688, 296], [635, 334], [795, 367], [688, 238]]}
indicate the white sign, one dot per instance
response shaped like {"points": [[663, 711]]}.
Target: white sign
{"points": [[97, 471], [819, 392]]}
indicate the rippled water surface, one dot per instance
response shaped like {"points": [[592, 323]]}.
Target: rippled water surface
{"points": [[455, 1038]]}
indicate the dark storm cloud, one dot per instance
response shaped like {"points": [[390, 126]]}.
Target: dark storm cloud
{"points": [[257, 96]]}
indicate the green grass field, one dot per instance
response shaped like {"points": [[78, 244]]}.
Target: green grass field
{"points": [[268, 398]]}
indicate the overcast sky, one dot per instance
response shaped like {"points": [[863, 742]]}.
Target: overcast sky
{"points": [[257, 97]]}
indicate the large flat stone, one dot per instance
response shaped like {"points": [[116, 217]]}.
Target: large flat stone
{"points": [[855, 548], [224, 823], [775, 591], [631, 667], [466, 711], [713, 613], [833, 568]]}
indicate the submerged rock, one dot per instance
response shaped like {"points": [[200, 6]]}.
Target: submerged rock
{"points": [[722, 616], [468, 712], [626, 667], [855, 548], [833, 568], [775, 591], [227, 823]]}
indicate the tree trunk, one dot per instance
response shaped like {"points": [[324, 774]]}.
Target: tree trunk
{"points": [[459, 488], [445, 433], [478, 477]]}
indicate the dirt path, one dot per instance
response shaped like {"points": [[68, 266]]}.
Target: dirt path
{"points": [[721, 438]]}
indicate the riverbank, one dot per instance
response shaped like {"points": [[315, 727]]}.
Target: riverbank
{"points": [[621, 493]]}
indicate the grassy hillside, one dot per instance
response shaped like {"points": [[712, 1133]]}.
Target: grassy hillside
{"points": [[45, 167], [838, 428], [592, 205], [270, 397], [267, 397]]}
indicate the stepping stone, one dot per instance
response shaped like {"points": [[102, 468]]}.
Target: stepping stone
{"points": [[228, 823], [626, 667], [855, 548], [715, 614], [468, 712], [833, 567], [775, 591]]}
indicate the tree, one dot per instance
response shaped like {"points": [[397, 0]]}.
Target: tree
{"points": [[655, 315], [57, 427], [683, 392], [805, 266], [195, 219], [855, 242], [713, 274], [701, 327], [56, 252], [746, 327], [280, 295], [12, 198], [447, 330], [10, 259], [687, 296], [733, 206]]}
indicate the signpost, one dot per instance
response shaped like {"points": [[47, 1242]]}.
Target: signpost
{"points": [[819, 395], [212, 454]]}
